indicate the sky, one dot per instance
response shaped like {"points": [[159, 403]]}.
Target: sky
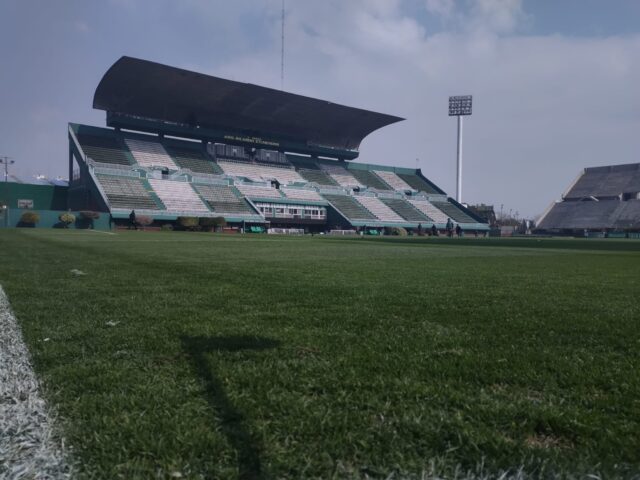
{"points": [[555, 83]]}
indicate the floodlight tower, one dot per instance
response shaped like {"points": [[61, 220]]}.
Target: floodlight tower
{"points": [[6, 162], [459, 106]]}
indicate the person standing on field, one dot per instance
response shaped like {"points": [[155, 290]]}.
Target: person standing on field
{"points": [[132, 220]]}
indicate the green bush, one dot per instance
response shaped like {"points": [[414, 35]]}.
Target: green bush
{"points": [[88, 215], [220, 222], [67, 218], [208, 223], [167, 227], [29, 218], [189, 223], [398, 231]]}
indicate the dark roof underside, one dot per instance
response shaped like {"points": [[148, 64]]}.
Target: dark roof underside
{"points": [[152, 90]]}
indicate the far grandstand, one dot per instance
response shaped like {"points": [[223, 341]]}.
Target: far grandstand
{"points": [[181, 143], [601, 201]]}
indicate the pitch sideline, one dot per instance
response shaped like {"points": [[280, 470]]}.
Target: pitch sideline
{"points": [[29, 446]]}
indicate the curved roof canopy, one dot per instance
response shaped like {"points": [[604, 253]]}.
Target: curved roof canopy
{"points": [[152, 90]]}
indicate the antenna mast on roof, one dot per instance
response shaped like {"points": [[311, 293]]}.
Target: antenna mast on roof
{"points": [[282, 51]]}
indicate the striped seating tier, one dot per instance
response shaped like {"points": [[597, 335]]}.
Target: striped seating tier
{"points": [[406, 210], [258, 191], [429, 210], [349, 207], [150, 153], [370, 179], [126, 192], [260, 172], [379, 209], [224, 200], [453, 212], [193, 160], [103, 149], [417, 183], [301, 194], [393, 180], [179, 196]]}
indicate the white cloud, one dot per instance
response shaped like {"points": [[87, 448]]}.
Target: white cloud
{"points": [[443, 8], [501, 16], [544, 107]]}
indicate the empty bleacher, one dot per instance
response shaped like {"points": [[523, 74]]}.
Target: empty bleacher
{"points": [[317, 176], [453, 212], [126, 192], [393, 180], [369, 179], [178, 196], [429, 210], [224, 200], [349, 207], [260, 172], [103, 149], [193, 159], [258, 191], [406, 210], [379, 209], [417, 183], [150, 154], [341, 175], [301, 194], [580, 215], [608, 181]]}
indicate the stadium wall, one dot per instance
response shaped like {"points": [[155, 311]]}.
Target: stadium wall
{"points": [[42, 197], [50, 219]]}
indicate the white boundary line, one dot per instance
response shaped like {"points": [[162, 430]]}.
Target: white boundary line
{"points": [[102, 231], [29, 447]]}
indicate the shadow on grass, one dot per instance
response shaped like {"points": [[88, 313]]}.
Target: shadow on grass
{"points": [[233, 424]]}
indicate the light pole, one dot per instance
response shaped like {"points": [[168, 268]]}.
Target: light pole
{"points": [[459, 106], [6, 161]]}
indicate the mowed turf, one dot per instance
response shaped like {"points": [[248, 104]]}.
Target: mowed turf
{"points": [[210, 356]]}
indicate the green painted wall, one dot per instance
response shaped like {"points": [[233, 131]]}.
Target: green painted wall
{"points": [[49, 219], [44, 197]]}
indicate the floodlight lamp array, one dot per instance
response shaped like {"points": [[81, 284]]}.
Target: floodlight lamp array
{"points": [[460, 105]]}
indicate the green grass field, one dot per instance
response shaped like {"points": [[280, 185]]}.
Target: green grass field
{"points": [[212, 356]]}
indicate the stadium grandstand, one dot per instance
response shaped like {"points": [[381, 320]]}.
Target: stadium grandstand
{"points": [[180, 143], [601, 200]]}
